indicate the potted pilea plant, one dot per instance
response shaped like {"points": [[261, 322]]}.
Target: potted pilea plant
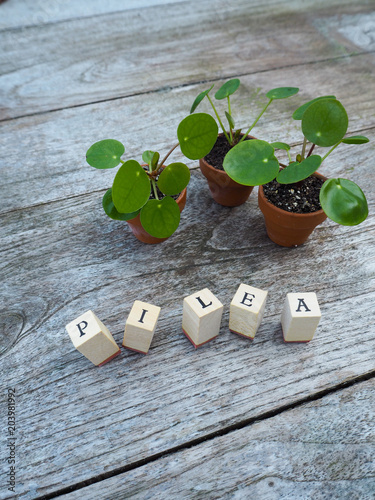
{"points": [[228, 179], [150, 197], [299, 198]]}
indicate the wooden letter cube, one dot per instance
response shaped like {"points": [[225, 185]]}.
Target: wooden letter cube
{"points": [[300, 316], [201, 317], [92, 339], [246, 310], [140, 326]]}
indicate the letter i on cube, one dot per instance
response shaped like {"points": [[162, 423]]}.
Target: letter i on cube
{"points": [[300, 317], [140, 326], [201, 317], [92, 339], [246, 310]]}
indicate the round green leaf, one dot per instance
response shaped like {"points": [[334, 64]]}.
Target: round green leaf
{"points": [[160, 218], [251, 163], [110, 209], [282, 92], [325, 122], [200, 98], [355, 139], [131, 187], [296, 171], [105, 154], [343, 202], [197, 135], [297, 115], [227, 89], [280, 145], [174, 178]]}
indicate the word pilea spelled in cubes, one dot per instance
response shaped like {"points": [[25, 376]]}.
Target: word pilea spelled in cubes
{"points": [[201, 321]]}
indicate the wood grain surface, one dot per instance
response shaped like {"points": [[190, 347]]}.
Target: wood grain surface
{"points": [[312, 451], [232, 417], [145, 50]]}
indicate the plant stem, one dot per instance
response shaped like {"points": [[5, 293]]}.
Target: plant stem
{"points": [[153, 183], [290, 158], [330, 151], [256, 121], [304, 148], [230, 128], [166, 157], [218, 117], [311, 150]]}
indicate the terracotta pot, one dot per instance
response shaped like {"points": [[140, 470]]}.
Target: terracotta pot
{"points": [[285, 228], [224, 190], [141, 234]]}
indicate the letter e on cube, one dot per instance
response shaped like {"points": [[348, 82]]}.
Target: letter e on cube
{"points": [[246, 310]]}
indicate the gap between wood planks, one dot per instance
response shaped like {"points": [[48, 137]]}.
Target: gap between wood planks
{"points": [[188, 84], [208, 437]]}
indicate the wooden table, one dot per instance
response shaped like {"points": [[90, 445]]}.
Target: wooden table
{"points": [[233, 419]]}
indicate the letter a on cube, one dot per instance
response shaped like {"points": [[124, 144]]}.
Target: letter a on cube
{"points": [[201, 317], [92, 339], [300, 317], [246, 310], [140, 326]]}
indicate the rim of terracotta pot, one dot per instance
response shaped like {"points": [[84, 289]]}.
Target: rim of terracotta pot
{"points": [[289, 221], [142, 235]]}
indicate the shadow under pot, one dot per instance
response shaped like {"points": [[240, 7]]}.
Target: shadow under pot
{"points": [[144, 236], [224, 190], [285, 228]]}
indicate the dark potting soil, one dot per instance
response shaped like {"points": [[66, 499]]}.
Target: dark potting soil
{"points": [[300, 198], [217, 154]]}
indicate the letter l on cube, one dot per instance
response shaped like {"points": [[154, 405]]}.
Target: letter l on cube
{"points": [[201, 317]]}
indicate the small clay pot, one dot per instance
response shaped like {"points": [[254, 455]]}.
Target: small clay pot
{"points": [[285, 228], [224, 190], [141, 234]]}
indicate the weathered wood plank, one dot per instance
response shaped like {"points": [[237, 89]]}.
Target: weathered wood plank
{"points": [[323, 449], [81, 421], [84, 61], [61, 256], [22, 13], [43, 157]]}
